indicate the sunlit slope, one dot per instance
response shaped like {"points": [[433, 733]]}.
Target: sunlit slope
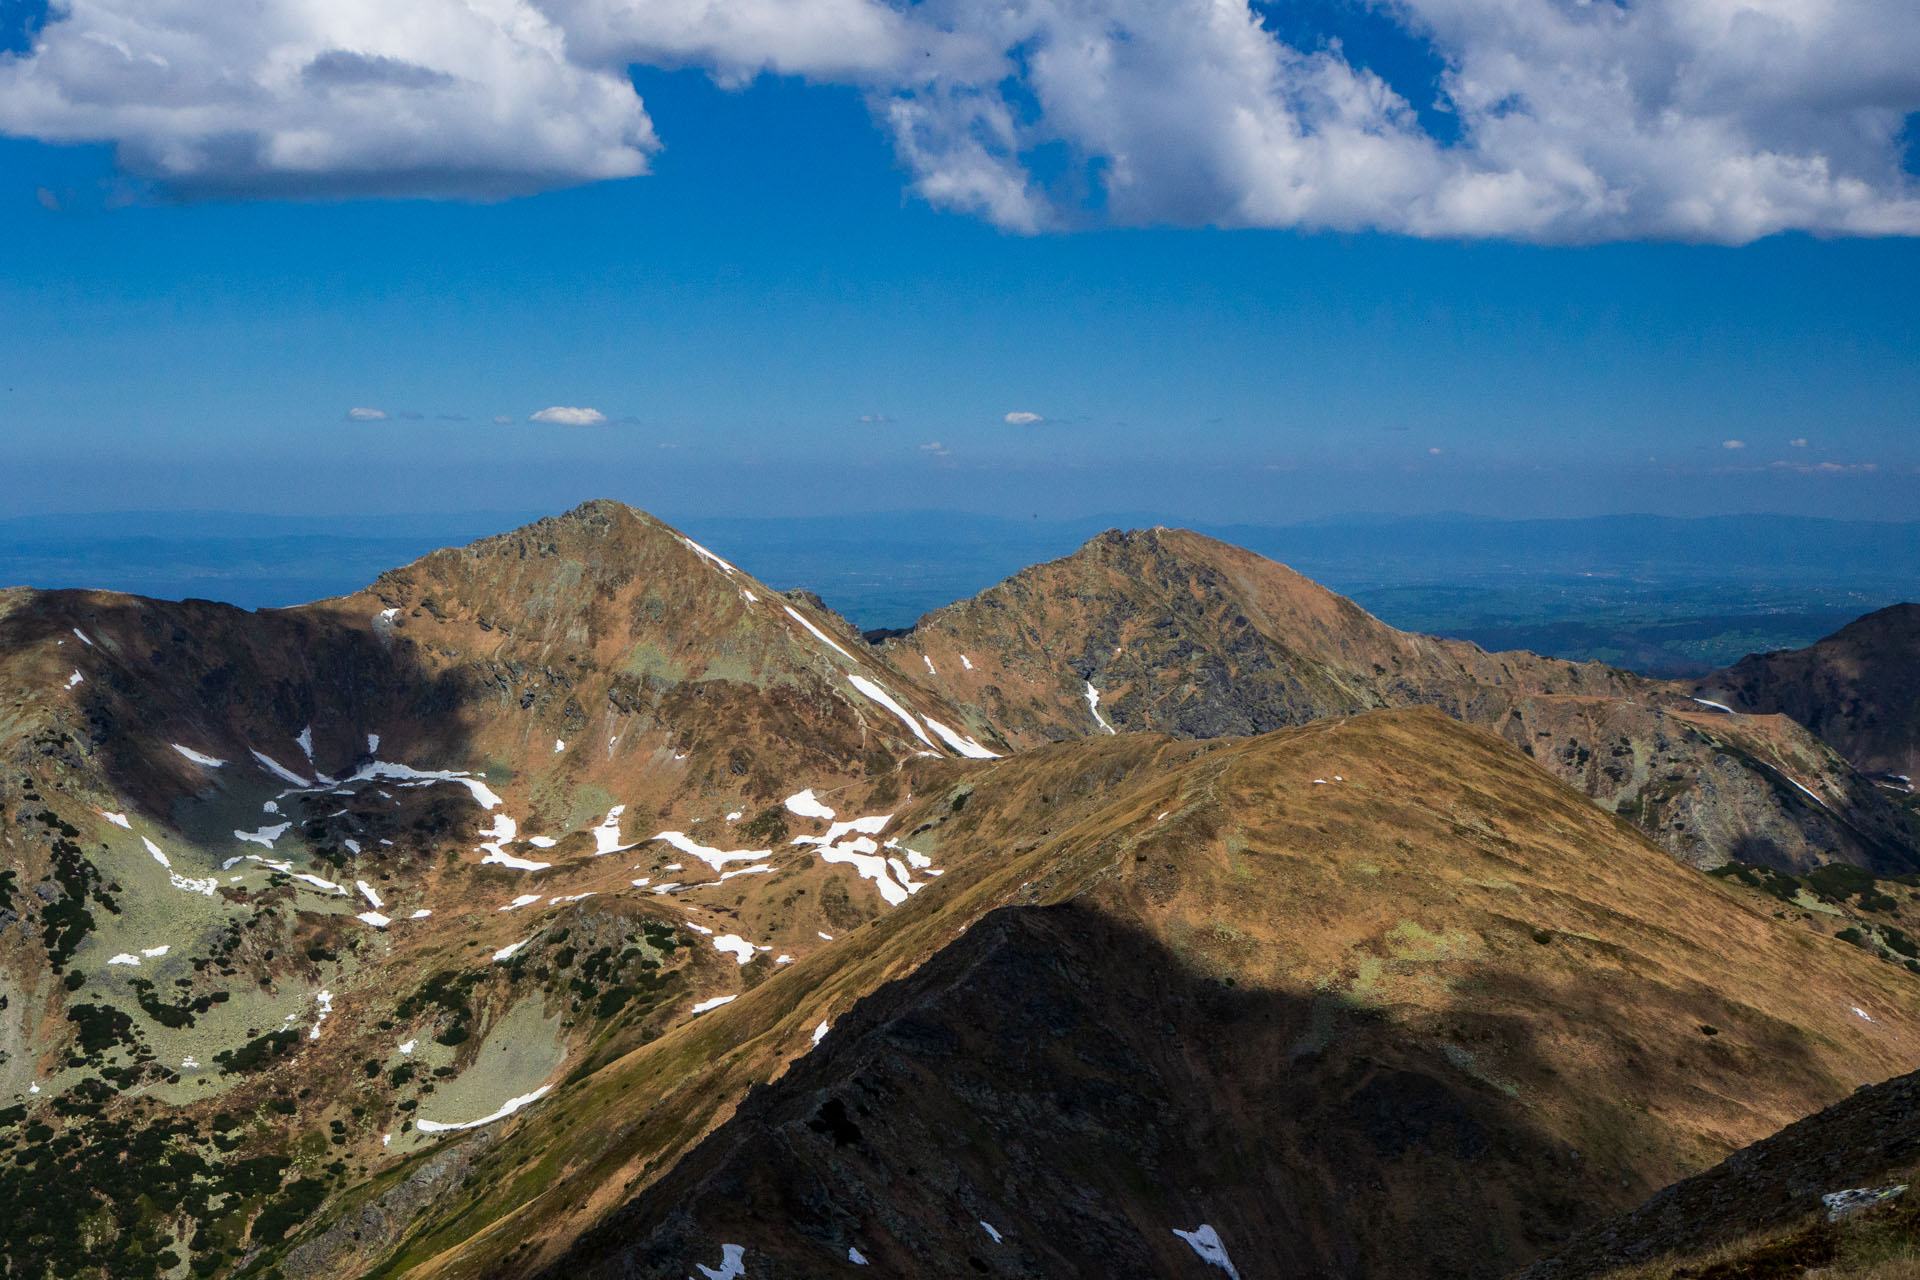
{"points": [[1167, 630], [1382, 972], [281, 890]]}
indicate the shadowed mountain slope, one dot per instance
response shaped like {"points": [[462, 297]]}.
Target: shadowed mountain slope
{"points": [[1761, 1212], [1168, 630], [1402, 1021], [1859, 689]]}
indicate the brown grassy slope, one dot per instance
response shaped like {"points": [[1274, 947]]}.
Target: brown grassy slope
{"points": [[1857, 689], [1382, 929], [1190, 636]]}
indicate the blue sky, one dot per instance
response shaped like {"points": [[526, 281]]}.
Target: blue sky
{"points": [[786, 316]]}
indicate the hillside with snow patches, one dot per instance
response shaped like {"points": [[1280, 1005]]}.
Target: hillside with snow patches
{"points": [[333, 937]]}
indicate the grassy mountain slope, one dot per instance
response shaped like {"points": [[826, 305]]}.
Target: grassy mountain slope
{"points": [[1179, 633], [1442, 1017]]}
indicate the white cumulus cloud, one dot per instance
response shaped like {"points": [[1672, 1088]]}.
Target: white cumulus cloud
{"points": [[1799, 442], [570, 416], [1549, 120], [1733, 444], [465, 98], [1022, 418], [367, 415]]}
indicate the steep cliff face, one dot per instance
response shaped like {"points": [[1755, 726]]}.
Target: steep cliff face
{"points": [[1168, 630]]}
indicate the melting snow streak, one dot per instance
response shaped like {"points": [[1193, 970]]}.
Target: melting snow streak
{"points": [[511, 1105], [1093, 705], [1206, 1242]]}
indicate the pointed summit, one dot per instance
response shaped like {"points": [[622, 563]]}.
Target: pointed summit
{"points": [[1171, 631]]}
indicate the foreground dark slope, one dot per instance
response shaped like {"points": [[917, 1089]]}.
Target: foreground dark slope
{"points": [[1760, 1214], [1179, 633], [1404, 1021], [1859, 689]]}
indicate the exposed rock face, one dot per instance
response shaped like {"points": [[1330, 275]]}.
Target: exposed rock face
{"points": [[353, 1243], [1185, 635], [1859, 689]]}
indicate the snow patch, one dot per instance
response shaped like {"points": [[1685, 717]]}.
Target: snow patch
{"points": [[1093, 705], [737, 946], [406, 1050], [929, 661], [367, 891], [886, 700], [758, 869], [714, 1003], [820, 1032], [1206, 1242], [988, 1228], [483, 795], [197, 757], [965, 662], [606, 836], [374, 918], [126, 958], [715, 858], [804, 804], [509, 951], [965, 746], [818, 634], [117, 819], [75, 678], [708, 555], [279, 770], [508, 1108], [154, 953], [265, 836], [524, 900], [207, 886], [732, 1264], [83, 637], [1717, 706], [559, 745], [325, 1000], [854, 1256]]}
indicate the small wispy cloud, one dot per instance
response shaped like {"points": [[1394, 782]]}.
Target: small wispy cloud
{"points": [[1733, 444], [1799, 443], [1827, 468], [1023, 418], [503, 419], [566, 415], [1434, 450], [875, 417], [367, 415], [935, 448], [413, 415]]}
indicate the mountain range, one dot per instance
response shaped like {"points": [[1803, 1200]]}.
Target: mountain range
{"points": [[572, 903]]}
